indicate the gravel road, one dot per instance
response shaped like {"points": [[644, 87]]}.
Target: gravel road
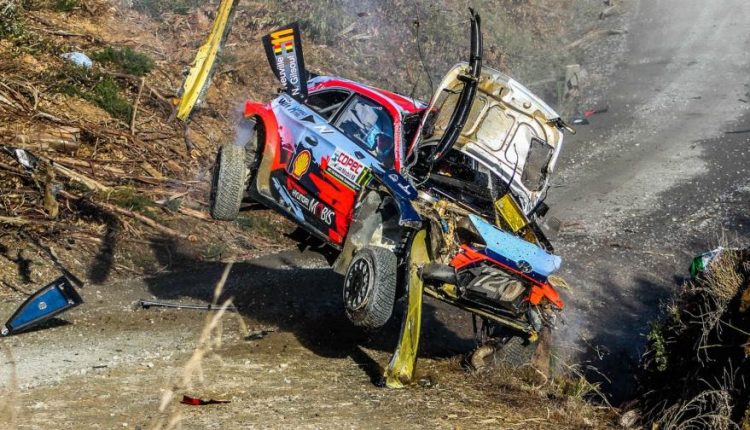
{"points": [[656, 179]]}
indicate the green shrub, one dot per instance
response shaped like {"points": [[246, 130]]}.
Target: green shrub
{"points": [[66, 5], [127, 60], [129, 198], [106, 95], [99, 89], [10, 18], [658, 345], [156, 8]]}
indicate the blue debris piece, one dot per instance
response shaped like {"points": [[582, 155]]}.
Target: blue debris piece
{"points": [[53, 299], [516, 252]]}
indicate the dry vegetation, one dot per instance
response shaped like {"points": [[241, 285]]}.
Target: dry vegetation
{"points": [[119, 184], [694, 371]]}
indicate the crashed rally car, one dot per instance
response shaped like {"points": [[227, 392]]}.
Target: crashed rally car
{"points": [[446, 196]]}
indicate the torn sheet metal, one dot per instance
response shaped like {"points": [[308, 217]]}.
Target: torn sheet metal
{"points": [[400, 371], [199, 77], [53, 299]]}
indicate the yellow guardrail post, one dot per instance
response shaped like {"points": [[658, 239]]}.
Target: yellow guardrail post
{"points": [[400, 370], [198, 78]]}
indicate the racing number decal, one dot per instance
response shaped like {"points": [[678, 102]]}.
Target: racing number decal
{"points": [[348, 170]]}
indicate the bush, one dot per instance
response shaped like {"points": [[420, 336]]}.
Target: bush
{"points": [[106, 95], [10, 18], [127, 60], [66, 5], [692, 372], [156, 8]]}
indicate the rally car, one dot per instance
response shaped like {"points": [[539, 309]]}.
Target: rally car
{"points": [[448, 194]]}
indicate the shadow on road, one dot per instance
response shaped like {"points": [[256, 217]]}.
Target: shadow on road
{"points": [[297, 293]]}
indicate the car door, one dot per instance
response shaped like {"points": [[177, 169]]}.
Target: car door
{"points": [[325, 166]]}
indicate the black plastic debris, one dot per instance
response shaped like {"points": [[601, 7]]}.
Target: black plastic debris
{"points": [[24, 158], [258, 334], [52, 300], [146, 304]]}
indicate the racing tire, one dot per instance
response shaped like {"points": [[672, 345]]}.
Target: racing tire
{"points": [[228, 183], [370, 287]]}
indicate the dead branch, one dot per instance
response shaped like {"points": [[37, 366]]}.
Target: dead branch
{"points": [[122, 211], [593, 35], [92, 184], [135, 105], [80, 163]]}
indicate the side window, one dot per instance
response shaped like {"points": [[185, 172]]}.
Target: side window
{"points": [[369, 125], [326, 103]]}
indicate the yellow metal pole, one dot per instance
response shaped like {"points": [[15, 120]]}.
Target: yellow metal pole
{"points": [[197, 81], [400, 371]]}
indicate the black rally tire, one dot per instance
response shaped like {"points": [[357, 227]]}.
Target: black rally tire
{"points": [[369, 298], [228, 184]]}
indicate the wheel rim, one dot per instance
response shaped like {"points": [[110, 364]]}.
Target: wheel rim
{"points": [[358, 285]]}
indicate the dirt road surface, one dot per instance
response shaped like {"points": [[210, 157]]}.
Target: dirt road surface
{"points": [[640, 190], [656, 179]]}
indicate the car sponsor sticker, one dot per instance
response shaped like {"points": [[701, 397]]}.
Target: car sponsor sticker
{"points": [[315, 207], [301, 163], [348, 169], [284, 51]]}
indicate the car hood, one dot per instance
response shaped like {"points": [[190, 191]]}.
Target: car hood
{"points": [[509, 129]]}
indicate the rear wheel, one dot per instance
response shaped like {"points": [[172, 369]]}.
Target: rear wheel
{"points": [[370, 287], [228, 184]]}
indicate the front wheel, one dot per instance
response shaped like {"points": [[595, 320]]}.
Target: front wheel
{"points": [[228, 184], [370, 287]]}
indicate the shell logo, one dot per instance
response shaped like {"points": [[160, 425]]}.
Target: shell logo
{"points": [[301, 163]]}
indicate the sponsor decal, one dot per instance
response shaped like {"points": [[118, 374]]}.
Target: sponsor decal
{"points": [[287, 202], [301, 163], [315, 207], [348, 169], [284, 51], [323, 129], [399, 184]]}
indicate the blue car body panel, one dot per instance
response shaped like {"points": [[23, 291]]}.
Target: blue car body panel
{"points": [[515, 252], [57, 297]]}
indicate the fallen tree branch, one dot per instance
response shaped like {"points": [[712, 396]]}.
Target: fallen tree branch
{"points": [[122, 211], [18, 221], [135, 105], [593, 35], [85, 180], [81, 163]]}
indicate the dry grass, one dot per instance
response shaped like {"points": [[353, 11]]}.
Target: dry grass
{"points": [[210, 338], [693, 370], [710, 409], [9, 394]]}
